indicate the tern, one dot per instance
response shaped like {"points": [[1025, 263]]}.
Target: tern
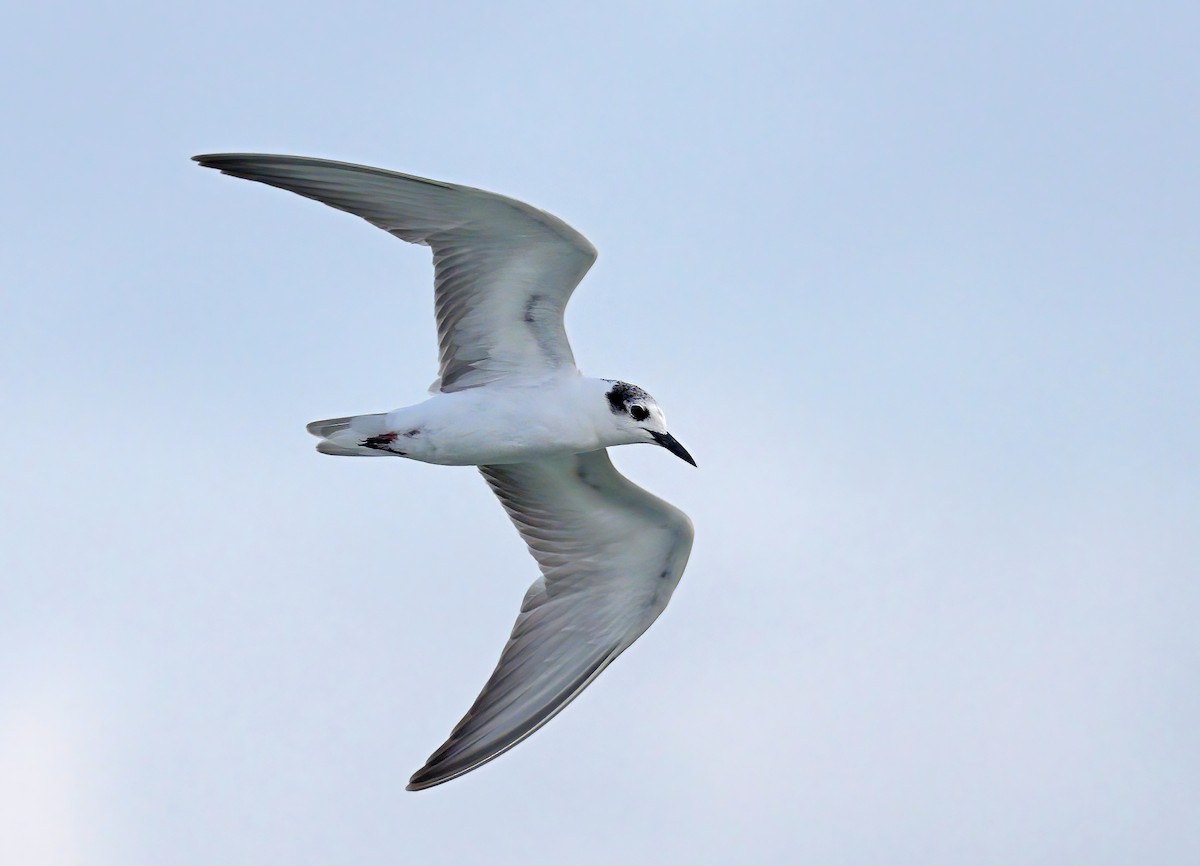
{"points": [[510, 400]]}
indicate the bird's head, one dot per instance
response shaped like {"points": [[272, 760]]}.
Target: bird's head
{"points": [[637, 418]]}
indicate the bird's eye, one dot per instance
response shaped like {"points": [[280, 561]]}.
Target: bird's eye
{"points": [[639, 413]]}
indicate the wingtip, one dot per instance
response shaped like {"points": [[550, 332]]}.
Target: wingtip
{"points": [[427, 778], [438, 769], [219, 161], [222, 161]]}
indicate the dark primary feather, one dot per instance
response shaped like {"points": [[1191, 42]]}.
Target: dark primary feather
{"points": [[503, 270], [610, 554]]}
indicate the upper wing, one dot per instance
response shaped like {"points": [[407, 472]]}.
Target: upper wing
{"points": [[503, 270], [610, 554]]}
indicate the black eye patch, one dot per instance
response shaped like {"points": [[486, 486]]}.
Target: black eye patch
{"points": [[622, 394], [639, 413]]}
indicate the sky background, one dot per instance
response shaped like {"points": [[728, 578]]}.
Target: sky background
{"points": [[916, 284]]}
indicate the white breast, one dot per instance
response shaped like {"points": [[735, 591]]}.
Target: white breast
{"points": [[495, 425]]}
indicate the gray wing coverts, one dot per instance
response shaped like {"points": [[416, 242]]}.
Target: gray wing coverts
{"points": [[610, 554], [503, 270]]}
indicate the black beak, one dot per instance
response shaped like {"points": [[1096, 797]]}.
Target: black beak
{"points": [[666, 440]]}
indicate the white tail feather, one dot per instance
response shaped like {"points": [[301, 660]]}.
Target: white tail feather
{"points": [[342, 436]]}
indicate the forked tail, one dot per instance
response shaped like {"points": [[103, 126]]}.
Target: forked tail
{"points": [[351, 436]]}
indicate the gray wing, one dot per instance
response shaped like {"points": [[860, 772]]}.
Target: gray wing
{"points": [[503, 270], [610, 555]]}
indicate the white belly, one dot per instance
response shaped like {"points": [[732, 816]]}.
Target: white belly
{"points": [[490, 425]]}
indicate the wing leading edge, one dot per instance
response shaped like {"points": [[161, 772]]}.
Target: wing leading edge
{"points": [[610, 554]]}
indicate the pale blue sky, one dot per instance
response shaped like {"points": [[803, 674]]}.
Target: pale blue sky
{"points": [[916, 285]]}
